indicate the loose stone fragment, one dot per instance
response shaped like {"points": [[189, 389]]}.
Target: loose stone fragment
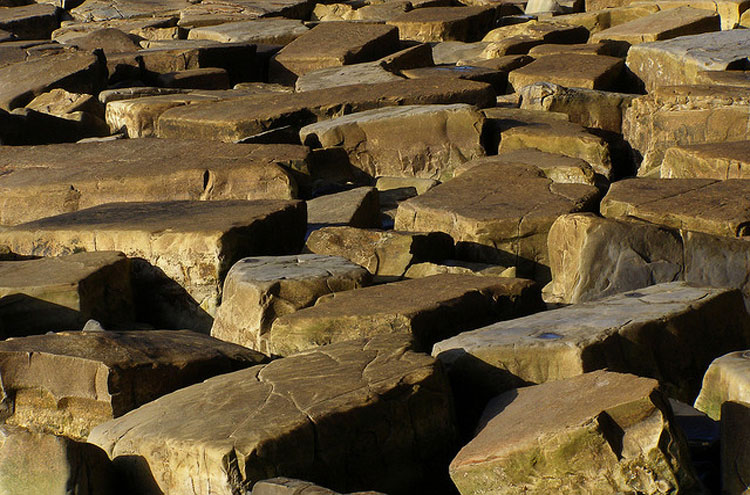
{"points": [[726, 160], [66, 383], [497, 214], [62, 293], [434, 24], [358, 207], [600, 432], [259, 290], [581, 71], [726, 380], [735, 468], [446, 305], [63, 103], [425, 141], [50, 180], [267, 31], [383, 253], [670, 332], [662, 25], [355, 415]]}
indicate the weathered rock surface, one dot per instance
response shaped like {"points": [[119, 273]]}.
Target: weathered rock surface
{"points": [[358, 207], [30, 22], [55, 179], [726, 380], [427, 269], [368, 413], [62, 293], [727, 160], [266, 31], [67, 383], [581, 71], [670, 332], [425, 141], [543, 30], [567, 446], [331, 77], [259, 290], [433, 24], [447, 304], [497, 214], [662, 25], [558, 168]]}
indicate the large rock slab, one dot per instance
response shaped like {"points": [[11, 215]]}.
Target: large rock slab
{"points": [[68, 382], [425, 141], [434, 24], [662, 25], [726, 380], [55, 179], [568, 445], [259, 290], [358, 207], [30, 22], [447, 304], [267, 31], [63, 293], [497, 214], [355, 415], [574, 70], [235, 119], [726, 160], [558, 168], [193, 243]]}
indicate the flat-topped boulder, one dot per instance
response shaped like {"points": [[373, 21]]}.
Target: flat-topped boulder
{"points": [[331, 77], [426, 141], [670, 332], [193, 243], [103, 10], [567, 445], [447, 304], [497, 214], [558, 168], [277, 31], [434, 24], [726, 160], [55, 179], [62, 293], [726, 380], [30, 22], [304, 416], [332, 45], [681, 59], [575, 70], [699, 205], [68, 382], [358, 207], [235, 119], [259, 290], [662, 25]]}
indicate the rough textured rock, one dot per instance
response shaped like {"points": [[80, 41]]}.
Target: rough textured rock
{"points": [[581, 71], [194, 243], [32, 462], [425, 141], [670, 332], [598, 433], [267, 31], [726, 160], [50, 180], [662, 25], [433, 24], [447, 304], [368, 413], [30, 22], [331, 77], [62, 293], [497, 214], [68, 382], [358, 207], [726, 380], [427, 269], [558, 168], [383, 253], [259, 290], [542, 30], [735, 468]]}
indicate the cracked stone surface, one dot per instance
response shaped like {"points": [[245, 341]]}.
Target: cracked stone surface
{"points": [[425, 141], [726, 380], [41, 181], [367, 413], [598, 433], [662, 25], [62, 293], [728, 160], [497, 214], [670, 332], [66, 383], [194, 243], [447, 304], [259, 290], [699, 205]]}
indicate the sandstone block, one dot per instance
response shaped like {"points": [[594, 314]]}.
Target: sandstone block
{"points": [[30, 22], [581, 71], [138, 115], [726, 380], [559, 168], [358, 207], [545, 31], [596, 20], [662, 25], [205, 78], [331, 77], [434, 24], [427, 269], [277, 31], [726, 160]]}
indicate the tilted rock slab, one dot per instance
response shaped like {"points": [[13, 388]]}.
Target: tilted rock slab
{"points": [[49, 180], [726, 380], [726, 160], [497, 214], [259, 290], [671, 332], [272, 31], [558, 168], [425, 141], [193, 242], [358, 207], [362, 414], [68, 382], [598, 433], [429, 308], [433, 24], [62, 293], [663, 25]]}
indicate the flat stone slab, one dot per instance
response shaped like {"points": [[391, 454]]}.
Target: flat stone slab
{"points": [[307, 413], [103, 10], [194, 243], [670, 332], [66, 383], [497, 214], [425, 141], [267, 31], [259, 290], [679, 60], [235, 119], [574, 70], [726, 380], [332, 77], [62, 293], [662, 25], [358, 207], [434, 24], [559, 168], [545, 31], [50, 180], [447, 304], [30, 22], [521, 448], [701, 205], [727, 160]]}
